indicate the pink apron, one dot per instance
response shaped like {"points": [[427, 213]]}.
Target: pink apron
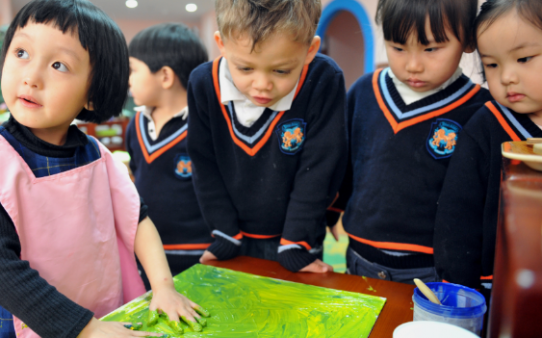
{"points": [[76, 228]]}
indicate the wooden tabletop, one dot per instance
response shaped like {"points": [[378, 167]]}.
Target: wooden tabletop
{"points": [[398, 307]]}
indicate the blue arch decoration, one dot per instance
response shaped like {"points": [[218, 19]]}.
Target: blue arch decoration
{"points": [[354, 7]]}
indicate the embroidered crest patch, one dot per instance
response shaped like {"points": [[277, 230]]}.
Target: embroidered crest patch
{"points": [[291, 135], [442, 138], [183, 166]]}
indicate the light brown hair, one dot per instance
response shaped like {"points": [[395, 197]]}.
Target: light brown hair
{"points": [[259, 19]]}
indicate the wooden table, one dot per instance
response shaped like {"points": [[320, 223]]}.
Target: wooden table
{"points": [[398, 307]]}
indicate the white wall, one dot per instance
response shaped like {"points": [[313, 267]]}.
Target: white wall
{"points": [[6, 14]]}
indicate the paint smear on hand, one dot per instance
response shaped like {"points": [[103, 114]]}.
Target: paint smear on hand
{"points": [[244, 305]]}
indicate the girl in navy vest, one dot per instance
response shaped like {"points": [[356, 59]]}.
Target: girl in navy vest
{"points": [[509, 39]]}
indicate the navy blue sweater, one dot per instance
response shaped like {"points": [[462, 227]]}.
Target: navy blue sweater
{"points": [[163, 177], [399, 156], [277, 177], [466, 222]]}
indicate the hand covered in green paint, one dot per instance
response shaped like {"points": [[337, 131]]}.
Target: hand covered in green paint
{"points": [[99, 329], [168, 301]]}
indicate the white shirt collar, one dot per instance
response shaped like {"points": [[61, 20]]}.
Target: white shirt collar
{"points": [[147, 111], [409, 96], [151, 127], [228, 91]]}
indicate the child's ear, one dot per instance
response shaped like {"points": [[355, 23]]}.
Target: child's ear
{"points": [[313, 49], [220, 43], [89, 106], [167, 76]]}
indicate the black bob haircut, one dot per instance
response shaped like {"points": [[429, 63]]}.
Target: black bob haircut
{"points": [[400, 18], [99, 35], [529, 10], [172, 45]]}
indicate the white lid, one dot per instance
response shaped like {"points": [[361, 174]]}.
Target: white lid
{"points": [[425, 329]]}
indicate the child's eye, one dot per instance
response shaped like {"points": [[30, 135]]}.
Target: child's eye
{"points": [[490, 65], [398, 49], [244, 69], [525, 59], [22, 54], [60, 67], [433, 49], [282, 72]]}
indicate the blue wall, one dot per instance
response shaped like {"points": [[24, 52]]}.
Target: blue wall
{"points": [[354, 7]]}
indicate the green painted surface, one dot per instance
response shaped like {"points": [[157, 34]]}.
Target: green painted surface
{"points": [[245, 305]]}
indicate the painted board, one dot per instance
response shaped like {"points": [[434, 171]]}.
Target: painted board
{"points": [[245, 305]]}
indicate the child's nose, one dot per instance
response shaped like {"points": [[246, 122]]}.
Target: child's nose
{"points": [[508, 76], [414, 64], [32, 77], [261, 83]]}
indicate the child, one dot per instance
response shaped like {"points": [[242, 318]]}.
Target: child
{"points": [[69, 213], [467, 215], [161, 59], [267, 134], [404, 122]]}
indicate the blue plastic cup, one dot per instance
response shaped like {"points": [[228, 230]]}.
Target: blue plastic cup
{"points": [[461, 306]]}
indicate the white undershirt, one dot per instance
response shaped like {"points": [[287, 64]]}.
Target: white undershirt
{"points": [[409, 96], [151, 127], [247, 113]]}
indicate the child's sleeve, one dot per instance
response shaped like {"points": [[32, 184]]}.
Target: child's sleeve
{"points": [[215, 203], [29, 297], [458, 238], [333, 213], [129, 136], [320, 172]]}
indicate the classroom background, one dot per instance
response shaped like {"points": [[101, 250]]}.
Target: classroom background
{"points": [[347, 27]]}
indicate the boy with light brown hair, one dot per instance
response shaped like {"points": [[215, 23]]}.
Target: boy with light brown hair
{"points": [[267, 134]]}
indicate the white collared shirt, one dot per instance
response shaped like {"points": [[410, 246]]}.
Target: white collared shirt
{"points": [[151, 127], [409, 96], [247, 113]]}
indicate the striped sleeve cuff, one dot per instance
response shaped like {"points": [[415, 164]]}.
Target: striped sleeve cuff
{"points": [[225, 247]]}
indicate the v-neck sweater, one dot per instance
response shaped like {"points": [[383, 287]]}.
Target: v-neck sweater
{"points": [[275, 178], [468, 208], [397, 165]]}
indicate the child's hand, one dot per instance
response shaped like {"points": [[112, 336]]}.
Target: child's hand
{"points": [[207, 256], [98, 329], [317, 267], [335, 232], [167, 300]]}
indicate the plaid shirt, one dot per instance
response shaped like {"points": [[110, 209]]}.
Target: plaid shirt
{"points": [[43, 166]]}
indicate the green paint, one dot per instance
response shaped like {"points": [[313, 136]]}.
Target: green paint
{"points": [[193, 325], [370, 288], [246, 306], [201, 321], [152, 317], [202, 311]]}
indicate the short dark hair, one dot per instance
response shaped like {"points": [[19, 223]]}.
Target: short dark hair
{"points": [[400, 18], [99, 35], [169, 44], [530, 10]]}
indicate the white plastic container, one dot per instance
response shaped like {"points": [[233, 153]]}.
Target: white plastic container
{"points": [[431, 330]]}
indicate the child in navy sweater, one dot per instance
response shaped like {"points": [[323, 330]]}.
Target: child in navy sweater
{"points": [[161, 59], [467, 215], [267, 134], [404, 123]]}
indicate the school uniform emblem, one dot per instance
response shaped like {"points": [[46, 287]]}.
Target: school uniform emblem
{"points": [[183, 166], [442, 138], [291, 135]]}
